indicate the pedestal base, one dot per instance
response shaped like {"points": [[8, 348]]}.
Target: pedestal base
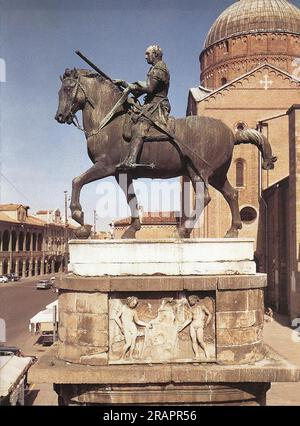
{"points": [[168, 322], [204, 384], [243, 394]]}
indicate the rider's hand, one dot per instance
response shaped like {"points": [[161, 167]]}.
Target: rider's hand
{"points": [[120, 83], [133, 87]]}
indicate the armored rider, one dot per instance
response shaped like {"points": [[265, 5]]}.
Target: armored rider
{"points": [[156, 103]]}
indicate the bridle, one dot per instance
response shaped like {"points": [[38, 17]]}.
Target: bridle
{"points": [[71, 112]]}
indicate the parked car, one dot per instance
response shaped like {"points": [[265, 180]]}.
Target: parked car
{"points": [[43, 284], [10, 350], [47, 338], [3, 279], [13, 277]]}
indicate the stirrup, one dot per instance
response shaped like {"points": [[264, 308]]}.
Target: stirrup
{"points": [[125, 166], [133, 166]]}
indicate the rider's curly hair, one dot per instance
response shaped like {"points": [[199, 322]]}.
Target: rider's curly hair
{"points": [[157, 50]]}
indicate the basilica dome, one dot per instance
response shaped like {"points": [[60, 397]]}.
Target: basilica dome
{"points": [[246, 16], [247, 34]]}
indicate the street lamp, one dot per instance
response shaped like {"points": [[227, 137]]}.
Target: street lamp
{"points": [[66, 207], [95, 222]]}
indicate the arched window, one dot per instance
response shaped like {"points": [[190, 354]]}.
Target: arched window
{"points": [[5, 241], [21, 241], [40, 242], [226, 45], [5, 266], [240, 173], [223, 81], [34, 238], [13, 240], [28, 239]]}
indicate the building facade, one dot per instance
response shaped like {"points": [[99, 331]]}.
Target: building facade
{"points": [[30, 246], [154, 225], [249, 75]]}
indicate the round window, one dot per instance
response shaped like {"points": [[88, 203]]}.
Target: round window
{"points": [[248, 214], [240, 126]]}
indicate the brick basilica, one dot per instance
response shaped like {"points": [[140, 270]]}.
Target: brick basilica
{"points": [[249, 76]]}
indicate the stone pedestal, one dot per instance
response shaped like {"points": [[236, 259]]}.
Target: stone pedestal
{"points": [[164, 322], [172, 257]]}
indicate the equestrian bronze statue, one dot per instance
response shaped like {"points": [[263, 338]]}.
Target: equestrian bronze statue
{"points": [[124, 136]]}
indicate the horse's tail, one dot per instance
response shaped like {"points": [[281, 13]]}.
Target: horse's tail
{"points": [[253, 137]]}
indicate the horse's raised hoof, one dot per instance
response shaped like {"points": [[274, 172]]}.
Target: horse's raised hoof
{"points": [[83, 232]]}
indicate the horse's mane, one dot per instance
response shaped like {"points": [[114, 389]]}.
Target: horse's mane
{"points": [[73, 73]]}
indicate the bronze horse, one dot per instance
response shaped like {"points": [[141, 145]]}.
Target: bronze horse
{"points": [[205, 155]]}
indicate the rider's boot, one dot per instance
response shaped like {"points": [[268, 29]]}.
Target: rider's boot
{"points": [[130, 161]]}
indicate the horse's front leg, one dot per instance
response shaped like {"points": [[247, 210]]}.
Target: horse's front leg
{"points": [[96, 172], [75, 206]]}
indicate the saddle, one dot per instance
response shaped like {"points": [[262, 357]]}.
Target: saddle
{"points": [[153, 133]]}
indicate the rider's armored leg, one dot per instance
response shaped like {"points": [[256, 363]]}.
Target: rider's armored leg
{"points": [[135, 149], [131, 159], [136, 145]]}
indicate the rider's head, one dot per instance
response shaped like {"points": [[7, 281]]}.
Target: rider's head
{"points": [[153, 54]]}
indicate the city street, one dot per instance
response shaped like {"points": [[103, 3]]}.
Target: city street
{"points": [[279, 335], [20, 301]]}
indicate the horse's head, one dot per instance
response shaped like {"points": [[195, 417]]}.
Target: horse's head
{"points": [[72, 96]]}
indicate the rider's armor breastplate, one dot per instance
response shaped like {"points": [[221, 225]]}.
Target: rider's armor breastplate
{"points": [[160, 73]]}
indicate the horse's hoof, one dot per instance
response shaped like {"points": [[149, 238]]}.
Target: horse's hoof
{"points": [[184, 233], [129, 234], [78, 215], [232, 234], [83, 232]]}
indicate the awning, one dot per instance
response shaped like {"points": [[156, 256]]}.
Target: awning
{"points": [[45, 316], [12, 370]]}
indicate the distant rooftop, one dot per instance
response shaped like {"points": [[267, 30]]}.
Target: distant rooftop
{"points": [[11, 207], [153, 218]]}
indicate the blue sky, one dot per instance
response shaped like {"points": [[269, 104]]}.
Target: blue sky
{"points": [[38, 38]]}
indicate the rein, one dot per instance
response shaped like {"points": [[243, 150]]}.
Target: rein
{"points": [[86, 100], [106, 119]]}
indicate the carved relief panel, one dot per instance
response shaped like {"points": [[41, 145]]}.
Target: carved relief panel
{"points": [[149, 328]]}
